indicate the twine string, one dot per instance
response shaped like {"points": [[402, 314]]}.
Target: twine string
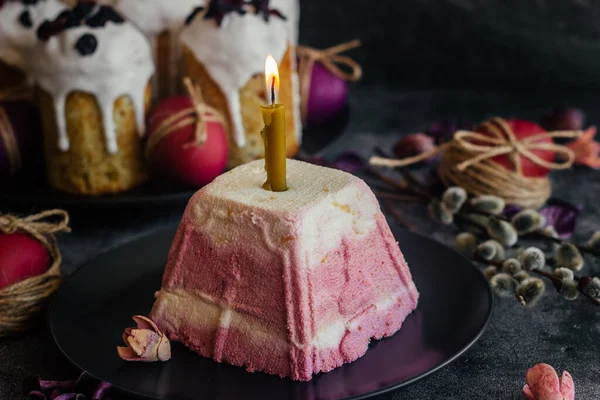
{"points": [[199, 115], [8, 138], [467, 161], [21, 302], [332, 60]]}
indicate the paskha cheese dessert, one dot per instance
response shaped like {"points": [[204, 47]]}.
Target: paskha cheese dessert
{"points": [[289, 283], [93, 69]]}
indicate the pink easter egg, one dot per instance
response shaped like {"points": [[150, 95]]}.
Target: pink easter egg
{"points": [[21, 257], [177, 158]]}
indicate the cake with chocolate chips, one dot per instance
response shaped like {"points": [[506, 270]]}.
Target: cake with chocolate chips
{"points": [[19, 20], [289, 283], [225, 44], [93, 69]]}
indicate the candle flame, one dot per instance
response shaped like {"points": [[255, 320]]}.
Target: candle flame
{"points": [[271, 78]]}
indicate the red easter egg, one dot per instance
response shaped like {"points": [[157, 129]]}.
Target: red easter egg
{"points": [[524, 129], [24, 136], [21, 257], [327, 95], [177, 158]]}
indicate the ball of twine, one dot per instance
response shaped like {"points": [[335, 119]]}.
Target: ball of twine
{"points": [[466, 161], [22, 302]]}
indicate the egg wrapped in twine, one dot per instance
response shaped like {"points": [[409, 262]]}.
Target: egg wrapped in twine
{"points": [[467, 161], [22, 302]]}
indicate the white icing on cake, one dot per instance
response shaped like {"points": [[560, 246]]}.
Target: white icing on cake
{"points": [[234, 52], [154, 17], [121, 65], [16, 39]]}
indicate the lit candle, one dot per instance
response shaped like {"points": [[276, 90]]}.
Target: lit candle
{"points": [[273, 133]]}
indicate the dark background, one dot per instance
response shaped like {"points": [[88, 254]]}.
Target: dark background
{"points": [[509, 44]]}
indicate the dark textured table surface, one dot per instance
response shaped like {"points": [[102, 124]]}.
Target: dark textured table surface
{"points": [[563, 334]]}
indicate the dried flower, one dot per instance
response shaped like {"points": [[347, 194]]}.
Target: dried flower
{"points": [[415, 144], [527, 221], [568, 289], [511, 266], [568, 256], [531, 290], [503, 285], [466, 243], [488, 203], [521, 276], [454, 198], [439, 212], [586, 149], [488, 250], [564, 274], [544, 384], [594, 241], [562, 215], [502, 231], [145, 343], [590, 286], [489, 272]]}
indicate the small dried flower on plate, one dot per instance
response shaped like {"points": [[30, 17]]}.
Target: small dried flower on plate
{"points": [[543, 383], [145, 343]]}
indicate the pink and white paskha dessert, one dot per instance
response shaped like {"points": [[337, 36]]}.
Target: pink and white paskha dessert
{"points": [[291, 283]]}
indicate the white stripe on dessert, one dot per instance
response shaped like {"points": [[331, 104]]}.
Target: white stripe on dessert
{"points": [[324, 207], [180, 307], [234, 52], [16, 39], [121, 66]]}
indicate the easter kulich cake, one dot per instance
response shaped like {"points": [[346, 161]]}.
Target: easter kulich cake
{"points": [[225, 44], [93, 69], [290, 283], [19, 20], [161, 21]]}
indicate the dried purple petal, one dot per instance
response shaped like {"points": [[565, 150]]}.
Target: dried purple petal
{"points": [[101, 391], [36, 395], [510, 210], [68, 396], [564, 119], [50, 385], [349, 161], [415, 144], [562, 215]]}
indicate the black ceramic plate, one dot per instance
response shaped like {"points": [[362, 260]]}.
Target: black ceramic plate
{"points": [[33, 191], [89, 314]]}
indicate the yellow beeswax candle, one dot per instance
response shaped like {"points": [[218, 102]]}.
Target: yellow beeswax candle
{"points": [[273, 133]]}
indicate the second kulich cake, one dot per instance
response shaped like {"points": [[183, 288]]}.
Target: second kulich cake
{"points": [[225, 47], [93, 69]]}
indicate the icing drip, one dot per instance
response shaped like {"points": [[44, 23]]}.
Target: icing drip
{"points": [[234, 52], [120, 65], [17, 39]]}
